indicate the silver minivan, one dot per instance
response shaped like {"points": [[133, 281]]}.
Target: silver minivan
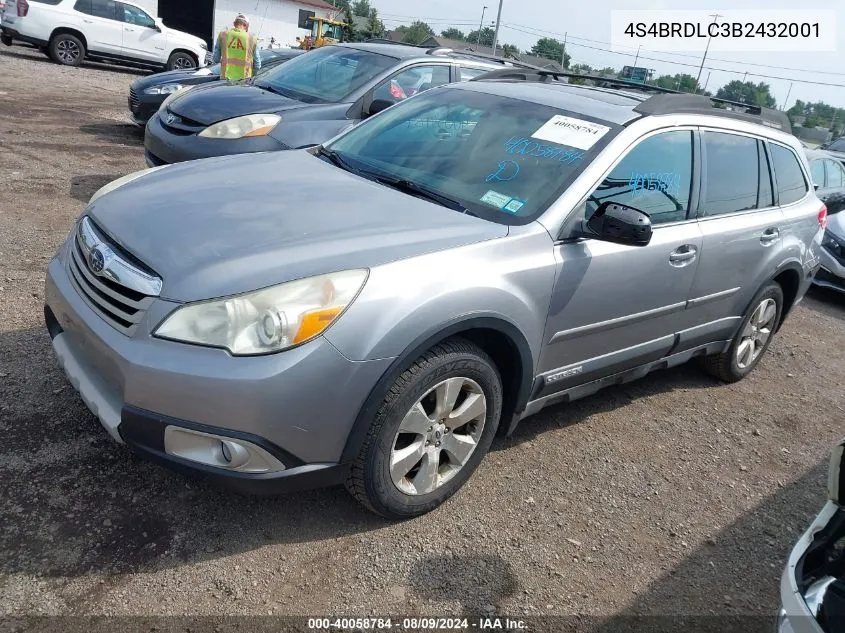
{"points": [[374, 310]]}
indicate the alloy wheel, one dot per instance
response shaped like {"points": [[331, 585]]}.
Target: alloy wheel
{"points": [[182, 63], [437, 437], [756, 333], [68, 51]]}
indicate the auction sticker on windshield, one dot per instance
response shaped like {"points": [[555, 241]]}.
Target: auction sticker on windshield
{"points": [[565, 130], [496, 199]]}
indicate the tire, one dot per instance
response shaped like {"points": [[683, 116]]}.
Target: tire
{"points": [[732, 365], [456, 367], [6, 39], [181, 61], [67, 49]]}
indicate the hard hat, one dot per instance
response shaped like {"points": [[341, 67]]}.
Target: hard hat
{"points": [[242, 18]]}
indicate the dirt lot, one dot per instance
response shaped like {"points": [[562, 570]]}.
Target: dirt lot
{"points": [[672, 495]]}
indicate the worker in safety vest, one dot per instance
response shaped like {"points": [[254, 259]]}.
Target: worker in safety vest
{"points": [[237, 51]]}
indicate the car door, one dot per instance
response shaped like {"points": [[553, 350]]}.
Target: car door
{"points": [[742, 230], [101, 26], [616, 307], [142, 39], [833, 194]]}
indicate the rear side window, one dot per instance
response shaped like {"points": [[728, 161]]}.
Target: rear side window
{"points": [[733, 174], [835, 174], [99, 8], [472, 73], [817, 172], [791, 184]]}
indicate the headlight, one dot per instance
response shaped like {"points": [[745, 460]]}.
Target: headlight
{"points": [[116, 184], [833, 244], [163, 90], [268, 320], [173, 96], [243, 126], [203, 45]]}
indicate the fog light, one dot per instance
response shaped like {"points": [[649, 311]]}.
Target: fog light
{"points": [[221, 452]]}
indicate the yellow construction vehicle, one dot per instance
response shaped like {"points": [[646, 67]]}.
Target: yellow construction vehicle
{"points": [[323, 33]]}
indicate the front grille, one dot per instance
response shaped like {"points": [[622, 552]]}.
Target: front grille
{"points": [[121, 307], [134, 101], [177, 124]]}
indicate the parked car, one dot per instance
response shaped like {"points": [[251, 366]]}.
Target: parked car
{"points": [[302, 103], [812, 587], [73, 30], [375, 309], [828, 176], [836, 148], [148, 93]]}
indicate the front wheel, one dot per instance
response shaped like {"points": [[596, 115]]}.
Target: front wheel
{"points": [[430, 433], [67, 49], [752, 339], [181, 61]]}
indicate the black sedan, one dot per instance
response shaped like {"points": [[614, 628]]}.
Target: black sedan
{"points": [[148, 93]]}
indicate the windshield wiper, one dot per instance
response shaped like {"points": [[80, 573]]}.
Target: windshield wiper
{"points": [[337, 160], [421, 191]]}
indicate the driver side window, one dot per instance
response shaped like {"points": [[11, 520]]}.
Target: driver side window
{"points": [[134, 15], [410, 82], [654, 177]]}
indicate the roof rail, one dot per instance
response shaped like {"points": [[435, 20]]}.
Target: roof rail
{"points": [[469, 53], [702, 104], [667, 101]]}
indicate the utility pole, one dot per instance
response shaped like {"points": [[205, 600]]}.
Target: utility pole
{"points": [[563, 54], [498, 22], [744, 76], [637, 56], [706, 82], [481, 26], [715, 17], [786, 101]]}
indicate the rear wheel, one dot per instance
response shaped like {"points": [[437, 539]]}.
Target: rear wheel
{"points": [[181, 61], [6, 39], [67, 49], [752, 339], [430, 433]]}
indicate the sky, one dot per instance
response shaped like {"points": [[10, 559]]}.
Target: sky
{"points": [[587, 24]]}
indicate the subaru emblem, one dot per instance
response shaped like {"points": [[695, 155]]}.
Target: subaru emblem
{"points": [[98, 261]]}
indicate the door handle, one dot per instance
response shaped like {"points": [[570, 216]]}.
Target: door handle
{"points": [[128, 29], [770, 236], [683, 255], [88, 21]]}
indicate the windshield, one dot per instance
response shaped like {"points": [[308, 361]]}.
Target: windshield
{"points": [[502, 159], [325, 75]]}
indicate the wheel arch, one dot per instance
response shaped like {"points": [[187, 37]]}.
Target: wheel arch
{"points": [[66, 30], [788, 278], [498, 337]]}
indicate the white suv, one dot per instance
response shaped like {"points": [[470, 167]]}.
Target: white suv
{"points": [[71, 30]]}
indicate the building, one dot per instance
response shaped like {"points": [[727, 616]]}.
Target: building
{"points": [[276, 19]]}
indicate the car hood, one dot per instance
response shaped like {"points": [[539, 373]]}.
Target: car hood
{"points": [[218, 102], [228, 225]]}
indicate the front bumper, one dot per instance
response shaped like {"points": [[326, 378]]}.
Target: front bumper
{"points": [[163, 147], [795, 615], [832, 272], [144, 106], [299, 405]]}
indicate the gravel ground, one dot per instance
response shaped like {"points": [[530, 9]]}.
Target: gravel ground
{"points": [[671, 495]]}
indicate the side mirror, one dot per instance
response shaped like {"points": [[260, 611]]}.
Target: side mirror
{"points": [[379, 105], [815, 187], [619, 223], [836, 475]]}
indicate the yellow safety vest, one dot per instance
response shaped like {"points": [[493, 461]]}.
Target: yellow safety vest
{"points": [[237, 51]]}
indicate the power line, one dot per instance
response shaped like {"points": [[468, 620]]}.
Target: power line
{"points": [[691, 65], [632, 49]]}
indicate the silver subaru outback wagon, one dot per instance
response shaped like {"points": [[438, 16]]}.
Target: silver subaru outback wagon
{"points": [[373, 311]]}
